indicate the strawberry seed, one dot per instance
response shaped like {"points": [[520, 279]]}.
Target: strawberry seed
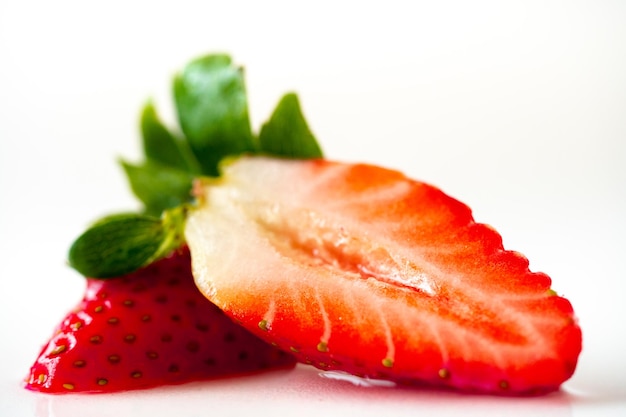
{"points": [[114, 359], [58, 349], [202, 327], [79, 363]]}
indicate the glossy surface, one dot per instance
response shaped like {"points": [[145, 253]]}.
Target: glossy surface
{"points": [[516, 108]]}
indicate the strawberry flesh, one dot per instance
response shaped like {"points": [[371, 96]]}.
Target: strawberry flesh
{"points": [[146, 329], [359, 269]]}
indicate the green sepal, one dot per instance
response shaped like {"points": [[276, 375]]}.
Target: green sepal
{"points": [[212, 108], [162, 146], [121, 244], [287, 133], [158, 186]]}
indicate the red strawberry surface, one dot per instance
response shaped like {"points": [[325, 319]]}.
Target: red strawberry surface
{"points": [[145, 329], [360, 269]]}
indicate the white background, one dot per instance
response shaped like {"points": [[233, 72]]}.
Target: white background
{"points": [[516, 108]]}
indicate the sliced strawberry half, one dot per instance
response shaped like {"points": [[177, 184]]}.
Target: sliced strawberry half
{"points": [[148, 328], [360, 269]]}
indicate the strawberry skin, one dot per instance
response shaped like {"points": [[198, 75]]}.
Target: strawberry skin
{"points": [[146, 329], [360, 269]]}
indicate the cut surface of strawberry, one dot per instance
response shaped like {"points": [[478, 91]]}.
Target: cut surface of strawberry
{"points": [[357, 268], [145, 329]]}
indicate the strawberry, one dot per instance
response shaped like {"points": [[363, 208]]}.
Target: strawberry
{"points": [[148, 328], [360, 269], [351, 268], [142, 321]]}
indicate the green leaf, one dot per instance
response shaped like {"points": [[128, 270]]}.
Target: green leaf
{"points": [[120, 244], [287, 132], [212, 107], [161, 146], [159, 187]]}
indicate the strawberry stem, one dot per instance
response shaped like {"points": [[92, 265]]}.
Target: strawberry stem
{"points": [[212, 108]]}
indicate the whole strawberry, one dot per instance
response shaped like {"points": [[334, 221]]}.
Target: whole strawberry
{"points": [[145, 329]]}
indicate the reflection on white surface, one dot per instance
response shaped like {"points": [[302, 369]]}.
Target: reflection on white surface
{"points": [[357, 381], [300, 391]]}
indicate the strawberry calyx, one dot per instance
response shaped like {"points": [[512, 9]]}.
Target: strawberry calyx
{"points": [[212, 108], [120, 244]]}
